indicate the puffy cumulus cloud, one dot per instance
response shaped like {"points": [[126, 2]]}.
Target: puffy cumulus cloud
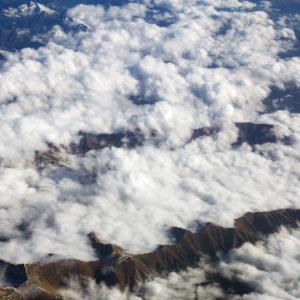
{"points": [[267, 270], [131, 197], [92, 291], [158, 188], [190, 64], [183, 285], [30, 211], [272, 267], [210, 63]]}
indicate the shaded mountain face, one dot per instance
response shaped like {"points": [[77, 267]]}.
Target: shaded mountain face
{"points": [[248, 132], [254, 134], [289, 6], [125, 139], [42, 280], [13, 275], [20, 22], [28, 23]]}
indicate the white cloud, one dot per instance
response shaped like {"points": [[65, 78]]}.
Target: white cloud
{"points": [[29, 9], [211, 66], [93, 291], [272, 267]]}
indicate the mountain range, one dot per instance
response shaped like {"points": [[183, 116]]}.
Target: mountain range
{"points": [[115, 267]]}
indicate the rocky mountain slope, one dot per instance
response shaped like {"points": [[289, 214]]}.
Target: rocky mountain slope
{"points": [[43, 280]]}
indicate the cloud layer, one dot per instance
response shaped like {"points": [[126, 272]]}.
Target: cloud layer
{"points": [[168, 66], [269, 269]]}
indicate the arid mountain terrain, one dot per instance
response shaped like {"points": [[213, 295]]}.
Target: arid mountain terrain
{"points": [[43, 280], [149, 149]]}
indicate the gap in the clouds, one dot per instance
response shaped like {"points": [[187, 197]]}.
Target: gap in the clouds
{"points": [[288, 6], [205, 280], [10, 101], [76, 175], [224, 28], [32, 29], [295, 51], [19, 33], [144, 95], [249, 133], [219, 64], [24, 229], [143, 100], [283, 99], [160, 16], [230, 286]]}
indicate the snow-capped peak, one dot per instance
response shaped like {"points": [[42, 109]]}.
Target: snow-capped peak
{"points": [[33, 8]]}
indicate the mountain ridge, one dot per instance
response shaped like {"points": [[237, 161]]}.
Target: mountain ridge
{"points": [[115, 267]]}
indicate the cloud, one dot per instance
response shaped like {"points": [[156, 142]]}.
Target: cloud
{"points": [[272, 267], [208, 64], [93, 291], [182, 285], [267, 270], [85, 81]]}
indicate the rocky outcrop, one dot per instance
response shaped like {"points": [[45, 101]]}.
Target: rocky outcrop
{"points": [[11, 294], [43, 158], [204, 131], [101, 249], [42, 280], [268, 222], [249, 133], [124, 139], [254, 134]]}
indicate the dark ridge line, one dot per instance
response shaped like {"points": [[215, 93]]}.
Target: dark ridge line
{"points": [[118, 268], [249, 133]]}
